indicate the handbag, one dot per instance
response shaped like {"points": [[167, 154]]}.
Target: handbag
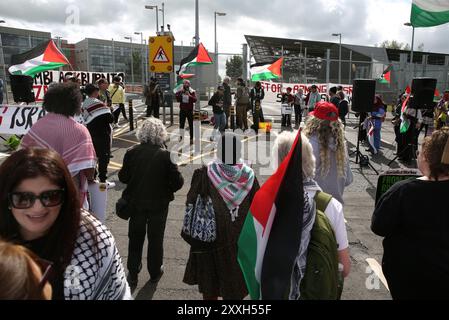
{"points": [[199, 226], [122, 209]]}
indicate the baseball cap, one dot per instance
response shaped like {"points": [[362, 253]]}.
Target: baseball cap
{"points": [[325, 111]]}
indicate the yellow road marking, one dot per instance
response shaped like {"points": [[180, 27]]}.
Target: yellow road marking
{"points": [[377, 269], [130, 141]]}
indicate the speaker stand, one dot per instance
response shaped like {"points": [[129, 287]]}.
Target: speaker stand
{"points": [[358, 154]]}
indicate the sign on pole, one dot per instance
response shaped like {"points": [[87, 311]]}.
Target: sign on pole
{"points": [[161, 54]]}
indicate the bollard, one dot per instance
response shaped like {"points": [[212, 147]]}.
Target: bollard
{"points": [[232, 116], [131, 115]]}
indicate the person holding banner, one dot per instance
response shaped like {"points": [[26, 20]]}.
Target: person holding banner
{"points": [[287, 102], [59, 131], [413, 218]]}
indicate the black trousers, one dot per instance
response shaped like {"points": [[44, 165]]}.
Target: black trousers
{"points": [[153, 110], [102, 146], [298, 114], [121, 109], [286, 120], [183, 114], [149, 222]]}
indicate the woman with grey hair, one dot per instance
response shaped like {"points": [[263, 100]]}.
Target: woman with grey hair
{"points": [[151, 178], [334, 209], [231, 185]]}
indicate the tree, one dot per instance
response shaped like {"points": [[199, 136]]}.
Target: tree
{"points": [[393, 44], [234, 67]]}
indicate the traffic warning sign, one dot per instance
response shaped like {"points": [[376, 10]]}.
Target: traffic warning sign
{"points": [[161, 56]]}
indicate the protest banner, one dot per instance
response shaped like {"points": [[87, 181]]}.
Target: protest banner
{"points": [[388, 179], [44, 79], [18, 119], [274, 90]]}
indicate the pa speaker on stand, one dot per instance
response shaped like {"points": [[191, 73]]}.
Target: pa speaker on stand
{"points": [[363, 91], [22, 88]]}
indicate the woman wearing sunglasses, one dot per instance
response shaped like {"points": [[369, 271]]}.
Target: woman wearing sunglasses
{"points": [[40, 209], [23, 275]]}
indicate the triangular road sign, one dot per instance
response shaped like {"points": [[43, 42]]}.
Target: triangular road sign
{"points": [[161, 56]]}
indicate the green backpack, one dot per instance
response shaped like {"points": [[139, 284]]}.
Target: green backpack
{"points": [[322, 280]]}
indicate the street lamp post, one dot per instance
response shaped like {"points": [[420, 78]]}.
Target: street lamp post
{"points": [[141, 55], [408, 24], [4, 67], [196, 114], [157, 16], [220, 14], [132, 62], [163, 16], [339, 57]]}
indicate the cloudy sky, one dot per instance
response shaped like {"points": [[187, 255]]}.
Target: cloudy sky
{"points": [[362, 22]]}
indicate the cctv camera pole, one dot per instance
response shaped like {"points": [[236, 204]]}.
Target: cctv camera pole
{"points": [[196, 114]]}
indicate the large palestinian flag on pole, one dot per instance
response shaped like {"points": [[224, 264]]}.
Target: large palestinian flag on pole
{"points": [[198, 56], [266, 71], [429, 13], [271, 235], [43, 57]]}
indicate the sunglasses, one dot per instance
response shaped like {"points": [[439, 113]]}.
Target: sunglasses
{"points": [[46, 268], [25, 200]]}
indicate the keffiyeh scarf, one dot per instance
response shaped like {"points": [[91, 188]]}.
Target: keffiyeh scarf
{"points": [[233, 183]]}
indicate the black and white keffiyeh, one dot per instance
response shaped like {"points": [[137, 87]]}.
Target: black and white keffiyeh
{"points": [[95, 273]]}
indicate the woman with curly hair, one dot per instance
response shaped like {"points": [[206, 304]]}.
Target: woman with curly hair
{"points": [[151, 178], [326, 134]]}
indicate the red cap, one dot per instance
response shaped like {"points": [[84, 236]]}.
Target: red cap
{"points": [[325, 111]]}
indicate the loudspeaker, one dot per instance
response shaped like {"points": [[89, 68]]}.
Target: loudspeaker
{"points": [[423, 91], [22, 88], [363, 91]]}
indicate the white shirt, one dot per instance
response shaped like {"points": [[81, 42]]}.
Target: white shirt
{"points": [[334, 213]]}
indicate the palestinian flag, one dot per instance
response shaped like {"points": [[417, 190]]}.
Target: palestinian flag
{"points": [[271, 235], [198, 56], [405, 123], [436, 96], [43, 57], [264, 71], [385, 78], [429, 13], [180, 81], [408, 90]]}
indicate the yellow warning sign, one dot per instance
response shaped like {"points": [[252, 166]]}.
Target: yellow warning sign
{"points": [[161, 54]]}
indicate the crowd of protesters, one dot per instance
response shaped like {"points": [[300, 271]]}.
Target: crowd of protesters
{"points": [[49, 235]]}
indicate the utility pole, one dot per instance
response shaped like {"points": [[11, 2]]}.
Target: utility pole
{"points": [[132, 60], [141, 54], [196, 115]]}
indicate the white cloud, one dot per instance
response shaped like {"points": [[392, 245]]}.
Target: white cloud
{"points": [[360, 22]]}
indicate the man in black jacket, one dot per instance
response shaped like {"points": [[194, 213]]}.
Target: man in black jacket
{"points": [[151, 178], [256, 95], [219, 116]]}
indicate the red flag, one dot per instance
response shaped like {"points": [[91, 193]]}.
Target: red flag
{"points": [[437, 93], [408, 90]]}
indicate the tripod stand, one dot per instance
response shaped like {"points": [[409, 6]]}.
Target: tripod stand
{"points": [[358, 154]]}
